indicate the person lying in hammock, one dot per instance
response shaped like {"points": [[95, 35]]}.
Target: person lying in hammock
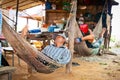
{"points": [[89, 38], [58, 51]]}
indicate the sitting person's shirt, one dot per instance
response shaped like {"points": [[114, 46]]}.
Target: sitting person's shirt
{"points": [[60, 54]]}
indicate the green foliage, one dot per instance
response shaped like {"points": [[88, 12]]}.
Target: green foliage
{"points": [[66, 6], [112, 39]]}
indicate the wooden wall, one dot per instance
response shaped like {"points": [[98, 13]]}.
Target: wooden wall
{"points": [[52, 15], [59, 13]]}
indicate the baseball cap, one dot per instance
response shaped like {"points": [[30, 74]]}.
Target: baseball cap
{"points": [[62, 35]]}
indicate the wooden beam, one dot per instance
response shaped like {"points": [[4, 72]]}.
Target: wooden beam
{"points": [[31, 2], [22, 3], [14, 5], [29, 6], [7, 2], [26, 5]]}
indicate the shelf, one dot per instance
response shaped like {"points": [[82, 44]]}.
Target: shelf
{"points": [[56, 11]]}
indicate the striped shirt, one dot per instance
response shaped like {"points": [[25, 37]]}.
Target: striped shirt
{"points": [[60, 54]]}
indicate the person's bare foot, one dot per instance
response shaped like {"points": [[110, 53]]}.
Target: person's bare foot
{"points": [[102, 33]]}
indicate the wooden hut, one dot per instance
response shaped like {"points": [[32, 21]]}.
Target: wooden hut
{"points": [[62, 9]]}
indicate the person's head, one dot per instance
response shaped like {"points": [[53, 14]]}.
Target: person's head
{"points": [[81, 15], [60, 39], [84, 28]]}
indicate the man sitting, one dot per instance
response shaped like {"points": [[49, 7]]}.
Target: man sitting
{"points": [[89, 37], [58, 51]]}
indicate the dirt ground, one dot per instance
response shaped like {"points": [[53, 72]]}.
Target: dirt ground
{"points": [[105, 67]]}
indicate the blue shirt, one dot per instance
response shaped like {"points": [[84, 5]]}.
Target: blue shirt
{"points": [[60, 54]]}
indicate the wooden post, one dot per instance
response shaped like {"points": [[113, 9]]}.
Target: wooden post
{"points": [[0, 35], [71, 34], [17, 7]]}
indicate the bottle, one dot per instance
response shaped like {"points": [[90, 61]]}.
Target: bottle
{"points": [[53, 6]]}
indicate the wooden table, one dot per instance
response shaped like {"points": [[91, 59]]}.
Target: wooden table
{"points": [[9, 50], [43, 37]]}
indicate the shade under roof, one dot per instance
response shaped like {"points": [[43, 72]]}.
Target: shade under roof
{"points": [[25, 4]]}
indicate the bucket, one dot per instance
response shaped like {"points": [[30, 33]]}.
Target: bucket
{"points": [[51, 29]]}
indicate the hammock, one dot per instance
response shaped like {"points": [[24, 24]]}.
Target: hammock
{"points": [[25, 51], [81, 48]]}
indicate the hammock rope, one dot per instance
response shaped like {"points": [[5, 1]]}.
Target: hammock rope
{"points": [[98, 28], [26, 52], [54, 63]]}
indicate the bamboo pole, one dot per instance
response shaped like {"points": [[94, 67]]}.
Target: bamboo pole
{"points": [[71, 34]]}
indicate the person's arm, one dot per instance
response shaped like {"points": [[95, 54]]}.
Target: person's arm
{"points": [[88, 37], [102, 32], [64, 57], [24, 31]]}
